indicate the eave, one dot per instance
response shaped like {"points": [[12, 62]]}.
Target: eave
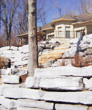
{"points": [[55, 21], [47, 29], [26, 34], [85, 22]]}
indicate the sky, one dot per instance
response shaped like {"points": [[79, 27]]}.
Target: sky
{"points": [[66, 5]]}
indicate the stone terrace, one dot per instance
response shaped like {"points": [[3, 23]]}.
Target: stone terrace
{"points": [[54, 88]]}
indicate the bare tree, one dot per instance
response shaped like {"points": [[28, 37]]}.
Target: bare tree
{"points": [[85, 6], [59, 8], [21, 19], [8, 10], [32, 31]]}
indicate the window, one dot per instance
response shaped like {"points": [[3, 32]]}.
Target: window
{"points": [[78, 34], [67, 32], [59, 31]]}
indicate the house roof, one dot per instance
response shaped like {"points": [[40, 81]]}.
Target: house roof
{"points": [[84, 17], [47, 27], [64, 18]]}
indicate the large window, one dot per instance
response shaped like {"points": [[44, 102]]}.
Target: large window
{"points": [[78, 34], [59, 31], [67, 32]]}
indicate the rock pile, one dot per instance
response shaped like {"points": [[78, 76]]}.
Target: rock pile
{"points": [[85, 48], [53, 88], [19, 55]]}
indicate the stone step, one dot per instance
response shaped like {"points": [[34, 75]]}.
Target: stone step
{"points": [[64, 83], [25, 108], [58, 72], [8, 103], [70, 107], [84, 97], [3, 86], [10, 79], [34, 104]]}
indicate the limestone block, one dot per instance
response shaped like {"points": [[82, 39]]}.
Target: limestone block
{"points": [[73, 41], [18, 93], [64, 83], [8, 71], [22, 72], [3, 108], [58, 72], [70, 107], [3, 86], [84, 97], [10, 79], [34, 104], [69, 97], [32, 82], [2, 71], [24, 108], [88, 83], [8, 103], [83, 46], [21, 63], [15, 70]]}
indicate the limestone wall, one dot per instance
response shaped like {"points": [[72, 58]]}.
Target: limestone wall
{"points": [[58, 88]]}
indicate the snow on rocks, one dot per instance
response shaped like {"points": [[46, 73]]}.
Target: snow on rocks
{"points": [[19, 55], [85, 48], [11, 79]]}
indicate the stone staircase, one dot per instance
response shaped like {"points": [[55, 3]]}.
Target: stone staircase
{"points": [[56, 53], [58, 88]]}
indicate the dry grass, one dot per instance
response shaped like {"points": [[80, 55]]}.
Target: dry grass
{"points": [[3, 62], [63, 62], [79, 61]]}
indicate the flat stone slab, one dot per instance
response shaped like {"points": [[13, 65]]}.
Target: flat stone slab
{"points": [[32, 82], [64, 83], [25, 108], [57, 72], [69, 97], [70, 107], [2, 71], [21, 93], [3, 86], [84, 97], [88, 83], [8, 103], [34, 104], [11, 79]]}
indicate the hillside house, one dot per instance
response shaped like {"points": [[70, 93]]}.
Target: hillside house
{"points": [[64, 27]]}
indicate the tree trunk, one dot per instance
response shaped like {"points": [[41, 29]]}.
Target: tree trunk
{"points": [[32, 30]]}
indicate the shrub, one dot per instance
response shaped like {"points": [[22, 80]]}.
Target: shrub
{"points": [[80, 61]]}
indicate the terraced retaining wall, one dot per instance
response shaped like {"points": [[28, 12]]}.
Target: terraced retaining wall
{"points": [[60, 88]]}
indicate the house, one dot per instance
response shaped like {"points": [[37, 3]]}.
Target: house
{"points": [[64, 27]]}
